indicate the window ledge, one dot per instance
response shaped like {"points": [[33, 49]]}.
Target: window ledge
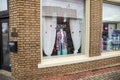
{"points": [[117, 1], [75, 59]]}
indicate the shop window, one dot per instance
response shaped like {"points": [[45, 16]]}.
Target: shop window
{"points": [[111, 27], [62, 27]]}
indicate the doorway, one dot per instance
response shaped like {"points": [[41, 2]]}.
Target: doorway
{"points": [[4, 48]]}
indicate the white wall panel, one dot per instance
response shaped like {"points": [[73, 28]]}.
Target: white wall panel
{"points": [[3, 5]]}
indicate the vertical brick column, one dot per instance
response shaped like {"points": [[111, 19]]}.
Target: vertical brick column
{"points": [[25, 21], [95, 27]]}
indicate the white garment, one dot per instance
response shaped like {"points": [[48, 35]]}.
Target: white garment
{"points": [[62, 39]]}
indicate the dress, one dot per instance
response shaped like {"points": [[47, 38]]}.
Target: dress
{"points": [[61, 43]]}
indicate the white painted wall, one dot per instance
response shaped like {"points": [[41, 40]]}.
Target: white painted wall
{"points": [[111, 12], [3, 5]]}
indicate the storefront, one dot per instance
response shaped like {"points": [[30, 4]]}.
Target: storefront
{"points": [[59, 37]]}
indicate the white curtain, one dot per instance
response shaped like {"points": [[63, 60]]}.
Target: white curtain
{"points": [[48, 34], [75, 28]]}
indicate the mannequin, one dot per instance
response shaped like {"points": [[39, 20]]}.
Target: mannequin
{"points": [[61, 42]]}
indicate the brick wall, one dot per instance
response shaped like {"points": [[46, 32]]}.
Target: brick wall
{"points": [[95, 27], [25, 20]]}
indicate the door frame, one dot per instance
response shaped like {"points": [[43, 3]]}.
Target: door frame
{"points": [[8, 68]]}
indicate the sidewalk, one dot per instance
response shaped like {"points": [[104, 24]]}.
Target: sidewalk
{"points": [[110, 73], [4, 75], [115, 75]]}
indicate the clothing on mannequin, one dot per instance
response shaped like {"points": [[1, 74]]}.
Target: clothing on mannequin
{"points": [[61, 42]]}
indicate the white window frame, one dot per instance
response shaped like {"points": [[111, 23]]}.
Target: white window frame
{"points": [[50, 62], [116, 1], [53, 61]]}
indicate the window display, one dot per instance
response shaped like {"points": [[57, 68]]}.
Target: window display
{"points": [[110, 37], [111, 27], [62, 24]]}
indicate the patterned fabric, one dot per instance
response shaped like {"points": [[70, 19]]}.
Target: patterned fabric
{"points": [[59, 44]]}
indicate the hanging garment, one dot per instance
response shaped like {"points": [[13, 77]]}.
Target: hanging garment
{"points": [[61, 43]]}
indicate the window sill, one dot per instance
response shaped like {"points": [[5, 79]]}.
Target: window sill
{"points": [[110, 52], [75, 59]]}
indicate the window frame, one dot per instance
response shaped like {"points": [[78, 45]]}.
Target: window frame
{"points": [[53, 61], [112, 2], [83, 38]]}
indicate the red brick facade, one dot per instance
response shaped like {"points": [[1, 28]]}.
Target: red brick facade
{"points": [[95, 27]]}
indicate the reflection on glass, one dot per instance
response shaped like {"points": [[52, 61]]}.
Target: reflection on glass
{"points": [[111, 27], [5, 36], [110, 37]]}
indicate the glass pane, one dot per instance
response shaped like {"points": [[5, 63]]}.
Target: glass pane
{"points": [[110, 37], [111, 27], [5, 35], [62, 27]]}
